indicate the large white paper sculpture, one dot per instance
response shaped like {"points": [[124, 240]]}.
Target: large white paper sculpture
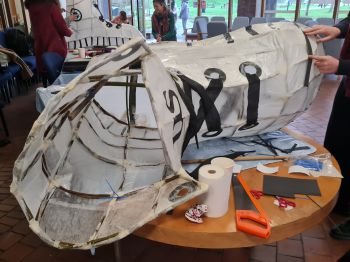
{"points": [[104, 157]]}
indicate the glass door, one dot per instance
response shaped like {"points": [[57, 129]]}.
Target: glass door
{"points": [[121, 5], [317, 8], [280, 8], [139, 15]]}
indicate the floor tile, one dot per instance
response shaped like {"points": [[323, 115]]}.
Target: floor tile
{"points": [[290, 247], [316, 246]]}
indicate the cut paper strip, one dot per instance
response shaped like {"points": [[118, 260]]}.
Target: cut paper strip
{"points": [[236, 169], [327, 171], [299, 169], [285, 208], [266, 170]]}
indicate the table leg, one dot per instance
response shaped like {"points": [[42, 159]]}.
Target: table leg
{"points": [[117, 251]]}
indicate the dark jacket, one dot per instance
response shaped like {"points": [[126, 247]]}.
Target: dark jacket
{"points": [[169, 35]]}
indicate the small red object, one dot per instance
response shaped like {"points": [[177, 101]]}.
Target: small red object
{"points": [[284, 202], [256, 194]]}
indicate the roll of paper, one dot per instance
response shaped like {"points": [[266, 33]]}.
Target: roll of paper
{"points": [[217, 196]]}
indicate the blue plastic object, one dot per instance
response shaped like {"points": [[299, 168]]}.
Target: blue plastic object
{"points": [[310, 164]]}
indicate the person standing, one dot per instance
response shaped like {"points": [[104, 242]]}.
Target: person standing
{"points": [[337, 139], [184, 14], [173, 9], [49, 29], [163, 22]]}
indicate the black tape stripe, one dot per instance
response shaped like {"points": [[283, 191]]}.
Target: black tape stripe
{"points": [[207, 111], [228, 38], [309, 62], [250, 30], [253, 99]]}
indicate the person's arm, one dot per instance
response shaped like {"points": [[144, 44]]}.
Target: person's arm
{"points": [[171, 34], [343, 26], [59, 21], [343, 68]]}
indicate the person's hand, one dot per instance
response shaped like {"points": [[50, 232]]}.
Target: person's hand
{"points": [[72, 17], [326, 64], [328, 32], [159, 38]]}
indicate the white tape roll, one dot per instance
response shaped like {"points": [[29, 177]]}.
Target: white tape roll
{"points": [[218, 192]]}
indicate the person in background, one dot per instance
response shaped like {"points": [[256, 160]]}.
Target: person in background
{"points": [[337, 139], [49, 29], [163, 22], [184, 14], [173, 9], [121, 18]]}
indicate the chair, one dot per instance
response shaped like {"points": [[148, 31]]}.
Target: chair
{"points": [[202, 28], [325, 21], [2, 117], [310, 23], [274, 19], [2, 39], [217, 18], [302, 20], [216, 28], [193, 35], [240, 22], [53, 63], [258, 20], [5, 78]]}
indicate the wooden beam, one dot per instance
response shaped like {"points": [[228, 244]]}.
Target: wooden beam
{"points": [[8, 13], [24, 17], [297, 10], [262, 9], [230, 7], [199, 7], [2, 14], [336, 9]]}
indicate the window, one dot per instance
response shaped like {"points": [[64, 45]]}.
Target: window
{"points": [[313, 9], [317, 8]]}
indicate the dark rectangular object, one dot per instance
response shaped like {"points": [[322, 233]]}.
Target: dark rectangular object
{"points": [[242, 200], [74, 66], [287, 187]]}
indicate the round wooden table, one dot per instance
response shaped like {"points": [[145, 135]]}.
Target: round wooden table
{"points": [[220, 233]]}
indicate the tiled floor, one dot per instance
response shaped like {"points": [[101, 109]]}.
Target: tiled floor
{"points": [[18, 243]]}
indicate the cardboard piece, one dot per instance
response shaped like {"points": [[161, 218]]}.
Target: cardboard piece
{"points": [[287, 187]]}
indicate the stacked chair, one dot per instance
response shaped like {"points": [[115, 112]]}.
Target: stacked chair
{"points": [[258, 20], [216, 28], [199, 29], [303, 20], [239, 22], [217, 19]]}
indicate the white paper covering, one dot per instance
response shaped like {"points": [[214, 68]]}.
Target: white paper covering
{"points": [[93, 171]]}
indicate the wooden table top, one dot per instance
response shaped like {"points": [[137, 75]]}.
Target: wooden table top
{"points": [[221, 232]]}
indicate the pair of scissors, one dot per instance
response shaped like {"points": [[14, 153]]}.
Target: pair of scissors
{"points": [[256, 193], [282, 202]]}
